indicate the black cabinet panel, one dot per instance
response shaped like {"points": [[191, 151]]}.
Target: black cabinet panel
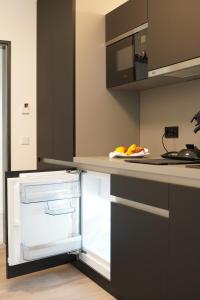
{"points": [[144, 191], [184, 257], [173, 34], [126, 17], [139, 254], [55, 79]]}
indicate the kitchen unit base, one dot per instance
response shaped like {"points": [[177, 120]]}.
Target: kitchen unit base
{"points": [[36, 266]]}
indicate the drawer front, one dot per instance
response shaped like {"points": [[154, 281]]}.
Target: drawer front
{"points": [[143, 191]]}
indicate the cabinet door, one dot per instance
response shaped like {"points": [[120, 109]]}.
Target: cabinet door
{"points": [[42, 220], [184, 243], [139, 253], [55, 79], [173, 34], [140, 190], [128, 16]]}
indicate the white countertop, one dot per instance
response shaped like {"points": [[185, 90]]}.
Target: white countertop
{"points": [[175, 174]]}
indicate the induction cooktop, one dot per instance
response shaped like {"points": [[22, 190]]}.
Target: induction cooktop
{"points": [[162, 161]]}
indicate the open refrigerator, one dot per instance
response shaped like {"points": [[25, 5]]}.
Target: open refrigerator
{"points": [[58, 213]]}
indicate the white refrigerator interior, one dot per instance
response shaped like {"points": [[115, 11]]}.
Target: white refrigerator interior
{"points": [[96, 221], [44, 215], [54, 213]]}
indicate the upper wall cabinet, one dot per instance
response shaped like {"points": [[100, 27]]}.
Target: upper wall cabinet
{"points": [[173, 34], [55, 79], [126, 17]]}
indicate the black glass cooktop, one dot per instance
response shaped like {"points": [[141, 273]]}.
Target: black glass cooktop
{"points": [[162, 161]]}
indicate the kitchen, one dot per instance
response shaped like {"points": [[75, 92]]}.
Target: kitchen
{"points": [[120, 116]]}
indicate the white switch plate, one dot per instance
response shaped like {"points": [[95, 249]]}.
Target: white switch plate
{"points": [[24, 140]]}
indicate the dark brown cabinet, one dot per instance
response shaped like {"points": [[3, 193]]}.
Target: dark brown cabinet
{"points": [[55, 79], [139, 254], [139, 239], [173, 34], [154, 256], [184, 255], [125, 18], [140, 190]]}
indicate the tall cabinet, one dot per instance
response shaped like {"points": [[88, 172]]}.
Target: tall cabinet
{"points": [[55, 79]]}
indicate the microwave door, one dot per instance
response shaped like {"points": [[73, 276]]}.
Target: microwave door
{"points": [[43, 220], [120, 62]]}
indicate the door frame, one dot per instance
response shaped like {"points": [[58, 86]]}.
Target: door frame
{"points": [[6, 124], [7, 105]]}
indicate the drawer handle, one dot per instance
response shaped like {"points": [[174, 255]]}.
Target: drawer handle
{"points": [[143, 207]]}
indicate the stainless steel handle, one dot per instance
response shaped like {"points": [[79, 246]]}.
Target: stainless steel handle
{"points": [[143, 207]]}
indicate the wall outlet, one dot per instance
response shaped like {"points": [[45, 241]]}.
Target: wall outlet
{"points": [[25, 109], [171, 132]]}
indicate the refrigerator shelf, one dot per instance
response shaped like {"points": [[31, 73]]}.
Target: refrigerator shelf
{"points": [[31, 253], [59, 212], [35, 193]]}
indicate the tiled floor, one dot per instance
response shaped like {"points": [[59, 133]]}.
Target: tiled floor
{"points": [[61, 283]]}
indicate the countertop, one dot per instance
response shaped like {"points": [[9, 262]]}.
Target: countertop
{"points": [[175, 174]]}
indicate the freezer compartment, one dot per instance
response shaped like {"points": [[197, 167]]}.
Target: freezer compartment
{"points": [[46, 250]]}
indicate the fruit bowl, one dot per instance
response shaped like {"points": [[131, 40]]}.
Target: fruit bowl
{"points": [[143, 153]]}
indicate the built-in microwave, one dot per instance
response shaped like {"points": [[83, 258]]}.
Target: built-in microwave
{"points": [[126, 58]]}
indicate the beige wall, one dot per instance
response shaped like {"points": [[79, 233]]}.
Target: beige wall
{"points": [[169, 106], [100, 7], [18, 25], [103, 119]]}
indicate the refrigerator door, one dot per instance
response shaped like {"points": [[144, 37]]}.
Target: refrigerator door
{"points": [[43, 219]]}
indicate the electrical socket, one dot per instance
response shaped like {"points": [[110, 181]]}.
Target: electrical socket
{"points": [[171, 132]]}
